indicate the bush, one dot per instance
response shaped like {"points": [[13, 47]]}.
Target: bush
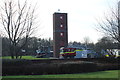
{"points": [[15, 62], [102, 67], [28, 67], [77, 67], [14, 66], [25, 67]]}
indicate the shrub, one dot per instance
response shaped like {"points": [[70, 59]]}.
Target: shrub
{"points": [[14, 67], [28, 67], [77, 67], [15, 62]]}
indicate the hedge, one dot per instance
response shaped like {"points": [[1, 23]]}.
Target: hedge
{"points": [[25, 67], [28, 67]]}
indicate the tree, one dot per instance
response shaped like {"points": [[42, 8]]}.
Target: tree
{"points": [[87, 42], [105, 45], [110, 26], [5, 46], [17, 21], [35, 43]]}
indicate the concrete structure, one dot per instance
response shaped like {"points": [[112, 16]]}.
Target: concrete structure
{"points": [[60, 32]]}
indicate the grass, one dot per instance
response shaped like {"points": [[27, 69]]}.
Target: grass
{"points": [[23, 57], [100, 74]]}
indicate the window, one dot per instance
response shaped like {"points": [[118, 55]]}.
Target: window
{"points": [[61, 25], [61, 34], [72, 50], [61, 17]]}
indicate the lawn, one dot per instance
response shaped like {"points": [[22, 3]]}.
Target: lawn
{"points": [[100, 74], [23, 57]]}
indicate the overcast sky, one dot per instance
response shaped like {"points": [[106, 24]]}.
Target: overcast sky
{"points": [[82, 16]]}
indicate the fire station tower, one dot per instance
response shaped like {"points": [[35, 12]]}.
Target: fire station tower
{"points": [[60, 32]]}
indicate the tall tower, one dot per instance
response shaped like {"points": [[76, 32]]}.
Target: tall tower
{"points": [[60, 32]]}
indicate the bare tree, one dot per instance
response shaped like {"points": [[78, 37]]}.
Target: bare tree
{"points": [[110, 26], [86, 41], [17, 20], [106, 44]]}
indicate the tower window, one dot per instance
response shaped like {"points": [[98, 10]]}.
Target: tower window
{"points": [[61, 17], [61, 25], [61, 34]]}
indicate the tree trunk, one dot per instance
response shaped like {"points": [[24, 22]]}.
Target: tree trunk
{"points": [[11, 51]]}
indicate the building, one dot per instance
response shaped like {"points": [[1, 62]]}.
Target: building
{"points": [[60, 32]]}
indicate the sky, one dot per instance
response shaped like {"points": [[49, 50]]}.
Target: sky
{"points": [[82, 15]]}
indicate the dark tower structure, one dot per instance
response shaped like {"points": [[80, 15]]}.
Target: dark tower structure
{"points": [[60, 32]]}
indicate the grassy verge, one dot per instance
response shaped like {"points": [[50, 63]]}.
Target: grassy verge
{"points": [[100, 74]]}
